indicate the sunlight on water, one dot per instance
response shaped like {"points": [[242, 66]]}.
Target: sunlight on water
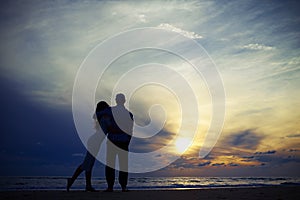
{"points": [[144, 183]]}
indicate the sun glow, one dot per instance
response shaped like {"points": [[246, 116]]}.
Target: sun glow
{"points": [[182, 144]]}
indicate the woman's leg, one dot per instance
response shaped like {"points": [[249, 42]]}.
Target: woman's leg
{"points": [[88, 167], [77, 172], [88, 179]]}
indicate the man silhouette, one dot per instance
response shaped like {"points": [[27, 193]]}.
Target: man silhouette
{"points": [[119, 136]]}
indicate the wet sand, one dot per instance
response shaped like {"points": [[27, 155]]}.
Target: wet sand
{"points": [[274, 193]]}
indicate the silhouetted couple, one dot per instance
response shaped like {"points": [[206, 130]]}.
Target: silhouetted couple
{"points": [[117, 124]]}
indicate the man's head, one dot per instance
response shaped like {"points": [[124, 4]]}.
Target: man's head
{"points": [[120, 99]]}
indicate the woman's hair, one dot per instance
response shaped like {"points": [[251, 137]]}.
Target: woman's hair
{"points": [[101, 106]]}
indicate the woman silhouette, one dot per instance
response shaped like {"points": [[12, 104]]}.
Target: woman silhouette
{"points": [[93, 146]]}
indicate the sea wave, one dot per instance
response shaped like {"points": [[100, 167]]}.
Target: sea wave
{"points": [[147, 183]]}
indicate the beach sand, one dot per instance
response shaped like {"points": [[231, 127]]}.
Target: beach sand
{"points": [[274, 193]]}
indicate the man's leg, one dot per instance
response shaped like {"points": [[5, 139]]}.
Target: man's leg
{"points": [[123, 163], [110, 164], [123, 179]]}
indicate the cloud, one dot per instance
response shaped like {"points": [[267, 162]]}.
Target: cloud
{"points": [[190, 163], [293, 135], [277, 160], [257, 46], [250, 159], [204, 164], [161, 139], [188, 34], [270, 158], [142, 18], [293, 150], [43, 44], [233, 164], [78, 154], [218, 164], [265, 153], [247, 139]]}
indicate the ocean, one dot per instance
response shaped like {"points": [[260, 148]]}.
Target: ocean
{"points": [[145, 183]]}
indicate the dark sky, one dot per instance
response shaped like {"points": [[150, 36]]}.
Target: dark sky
{"points": [[34, 136]]}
